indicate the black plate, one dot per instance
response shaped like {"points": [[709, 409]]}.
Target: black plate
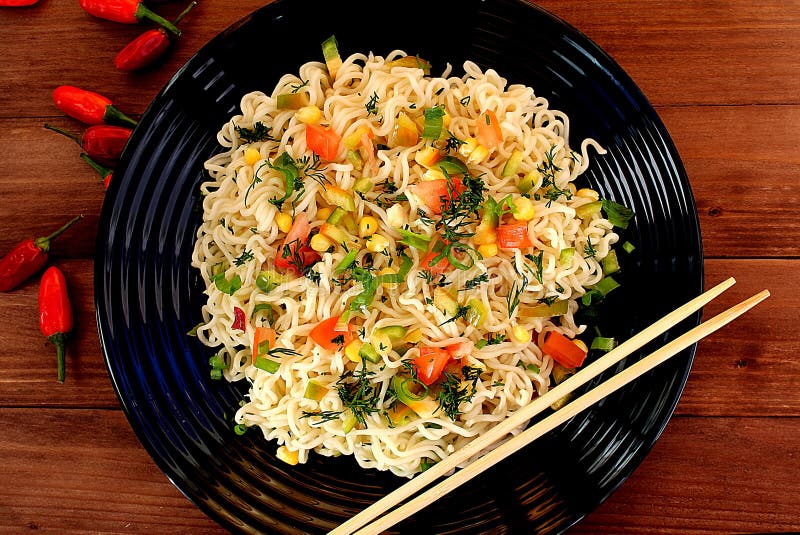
{"points": [[148, 296]]}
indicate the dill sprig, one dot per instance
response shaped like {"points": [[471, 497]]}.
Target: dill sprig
{"points": [[324, 416], [455, 390], [372, 104], [246, 256], [259, 132], [477, 281], [358, 393]]}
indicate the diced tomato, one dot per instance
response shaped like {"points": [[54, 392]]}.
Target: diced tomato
{"points": [[324, 141], [513, 235], [297, 242], [435, 195], [263, 334], [326, 335], [563, 350], [489, 133], [430, 363]]}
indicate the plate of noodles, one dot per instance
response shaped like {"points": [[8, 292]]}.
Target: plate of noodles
{"points": [[329, 267]]}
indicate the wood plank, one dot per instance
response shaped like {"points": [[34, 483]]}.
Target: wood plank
{"points": [[736, 180], [743, 167], [686, 485], [758, 41], [749, 367], [648, 38], [731, 365], [84, 471]]}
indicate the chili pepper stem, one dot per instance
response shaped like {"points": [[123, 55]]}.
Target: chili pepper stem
{"points": [[60, 341], [142, 12], [185, 12], [114, 115], [63, 132], [101, 170], [44, 243]]}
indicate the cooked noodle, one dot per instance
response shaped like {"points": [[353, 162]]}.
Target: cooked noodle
{"points": [[240, 236]]}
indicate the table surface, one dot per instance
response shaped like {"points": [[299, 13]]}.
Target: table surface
{"points": [[723, 75]]}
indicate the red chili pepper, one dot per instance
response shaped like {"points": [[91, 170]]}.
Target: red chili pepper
{"points": [[55, 313], [148, 47], [26, 259], [239, 321], [127, 12], [102, 142], [17, 3], [104, 172], [89, 107]]}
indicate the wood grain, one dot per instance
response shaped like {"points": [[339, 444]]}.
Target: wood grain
{"points": [[716, 53], [84, 471]]}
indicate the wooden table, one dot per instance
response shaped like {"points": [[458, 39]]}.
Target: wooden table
{"points": [[725, 78]]}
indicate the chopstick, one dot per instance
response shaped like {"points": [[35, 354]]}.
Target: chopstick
{"points": [[562, 415], [524, 414]]}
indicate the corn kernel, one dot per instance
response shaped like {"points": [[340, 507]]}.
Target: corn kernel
{"points": [[578, 342], [588, 193], [389, 271], [523, 209], [433, 174], [468, 146], [352, 349], [286, 455], [488, 250], [377, 243], [284, 222], [251, 156], [367, 226], [309, 114], [478, 155], [521, 334], [320, 243]]}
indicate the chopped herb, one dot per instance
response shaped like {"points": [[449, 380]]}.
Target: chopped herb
{"points": [[464, 101], [456, 390], [358, 393], [338, 340], [372, 104], [246, 256], [324, 416], [461, 312], [259, 132], [298, 87], [452, 143], [477, 281], [589, 251], [537, 262]]}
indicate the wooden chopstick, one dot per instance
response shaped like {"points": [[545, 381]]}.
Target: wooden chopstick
{"points": [[562, 415], [522, 416]]}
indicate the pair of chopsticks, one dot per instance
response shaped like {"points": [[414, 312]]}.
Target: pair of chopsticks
{"points": [[359, 524]]}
